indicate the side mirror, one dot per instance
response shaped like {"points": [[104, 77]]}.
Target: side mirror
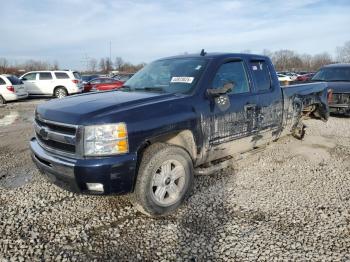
{"points": [[23, 79], [215, 92]]}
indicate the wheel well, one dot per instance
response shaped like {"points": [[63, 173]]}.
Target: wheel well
{"points": [[183, 139], [54, 90], [315, 111]]}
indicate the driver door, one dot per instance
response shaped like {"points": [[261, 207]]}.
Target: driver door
{"points": [[232, 115], [29, 81]]}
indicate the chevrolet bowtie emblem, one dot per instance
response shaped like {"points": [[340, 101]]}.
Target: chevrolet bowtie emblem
{"points": [[44, 133]]}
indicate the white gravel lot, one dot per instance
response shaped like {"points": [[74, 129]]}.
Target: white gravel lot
{"points": [[287, 202]]}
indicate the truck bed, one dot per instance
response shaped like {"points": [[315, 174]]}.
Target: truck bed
{"points": [[304, 100]]}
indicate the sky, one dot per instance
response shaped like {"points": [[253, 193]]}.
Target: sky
{"points": [[69, 31]]}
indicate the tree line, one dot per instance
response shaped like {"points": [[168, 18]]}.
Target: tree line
{"points": [[105, 65], [288, 60], [283, 60]]}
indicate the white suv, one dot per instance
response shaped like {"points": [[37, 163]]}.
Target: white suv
{"points": [[11, 88], [53, 83]]}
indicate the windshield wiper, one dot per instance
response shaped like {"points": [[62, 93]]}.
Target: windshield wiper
{"points": [[339, 80]]}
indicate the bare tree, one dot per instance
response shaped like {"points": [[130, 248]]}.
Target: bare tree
{"points": [[320, 60], [118, 63], [102, 65], [92, 66], [306, 60], [3, 65], [281, 59], [108, 65], [343, 53], [267, 52], [55, 65]]}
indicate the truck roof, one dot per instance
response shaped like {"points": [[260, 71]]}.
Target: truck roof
{"points": [[217, 55], [338, 65]]}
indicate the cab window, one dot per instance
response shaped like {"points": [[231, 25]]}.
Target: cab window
{"points": [[232, 72], [261, 75]]}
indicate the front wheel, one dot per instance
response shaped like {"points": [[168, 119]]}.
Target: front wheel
{"points": [[164, 180]]}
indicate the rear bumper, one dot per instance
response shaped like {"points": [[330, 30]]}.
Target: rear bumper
{"points": [[15, 96], [116, 173]]}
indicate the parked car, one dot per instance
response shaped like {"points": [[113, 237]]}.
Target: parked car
{"points": [[284, 78], [293, 76], [305, 77], [11, 88], [122, 77], [102, 84], [338, 78], [87, 78], [176, 117], [52, 83]]}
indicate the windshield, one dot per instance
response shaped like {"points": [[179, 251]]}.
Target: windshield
{"points": [[333, 74], [177, 75]]}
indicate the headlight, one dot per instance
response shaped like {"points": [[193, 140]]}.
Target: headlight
{"points": [[101, 140]]}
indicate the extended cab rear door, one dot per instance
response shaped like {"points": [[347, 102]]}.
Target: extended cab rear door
{"points": [[269, 106]]}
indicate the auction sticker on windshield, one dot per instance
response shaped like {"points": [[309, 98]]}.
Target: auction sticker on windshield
{"points": [[182, 79]]}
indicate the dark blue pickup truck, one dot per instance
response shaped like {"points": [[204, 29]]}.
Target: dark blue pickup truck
{"points": [[338, 78], [176, 117]]}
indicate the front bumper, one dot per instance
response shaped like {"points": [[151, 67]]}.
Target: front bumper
{"points": [[116, 173], [339, 108]]}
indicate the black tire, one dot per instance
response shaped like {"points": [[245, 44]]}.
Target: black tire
{"points": [[60, 92], [2, 100], [154, 158]]}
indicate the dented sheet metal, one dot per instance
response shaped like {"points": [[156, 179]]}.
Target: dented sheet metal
{"points": [[239, 130]]}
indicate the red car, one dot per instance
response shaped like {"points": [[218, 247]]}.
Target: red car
{"points": [[305, 77], [102, 84]]}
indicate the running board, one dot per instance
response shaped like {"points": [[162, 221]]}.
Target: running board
{"points": [[218, 165], [213, 168]]}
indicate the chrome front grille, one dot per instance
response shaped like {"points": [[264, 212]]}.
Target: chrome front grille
{"points": [[341, 99], [57, 137]]}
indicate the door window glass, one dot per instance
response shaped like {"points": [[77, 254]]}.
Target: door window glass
{"points": [[261, 74], [61, 75], [232, 72], [45, 76], [30, 76]]}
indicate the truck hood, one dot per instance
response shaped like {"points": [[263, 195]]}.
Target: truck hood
{"points": [[339, 87], [94, 108]]}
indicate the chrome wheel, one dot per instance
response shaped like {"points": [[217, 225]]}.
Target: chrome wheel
{"points": [[168, 183], [60, 93]]}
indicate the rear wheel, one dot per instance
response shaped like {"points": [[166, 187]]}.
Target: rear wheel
{"points": [[164, 180], [2, 100], [60, 92]]}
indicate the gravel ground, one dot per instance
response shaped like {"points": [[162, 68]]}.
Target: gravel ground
{"points": [[287, 202]]}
